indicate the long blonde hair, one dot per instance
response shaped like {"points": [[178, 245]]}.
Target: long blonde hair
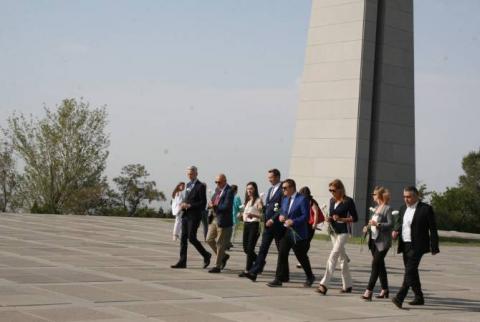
{"points": [[338, 185]]}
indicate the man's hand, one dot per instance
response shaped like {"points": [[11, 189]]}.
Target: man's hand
{"points": [[288, 223], [282, 218], [210, 204], [395, 235], [184, 205], [269, 223]]}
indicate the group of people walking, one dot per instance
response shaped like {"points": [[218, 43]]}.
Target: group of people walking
{"points": [[290, 218]]}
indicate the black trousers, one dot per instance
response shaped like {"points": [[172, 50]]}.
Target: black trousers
{"points": [[299, 248], [411, 260], [251, 232], [378, 268], [269, 234], [311, 233], [189, 234]]}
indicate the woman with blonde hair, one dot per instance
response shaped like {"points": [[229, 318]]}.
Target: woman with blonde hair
{"points": [[379, 229], [342, 213]]}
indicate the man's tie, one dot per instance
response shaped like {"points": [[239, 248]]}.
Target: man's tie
{"points": [[289, 206]]}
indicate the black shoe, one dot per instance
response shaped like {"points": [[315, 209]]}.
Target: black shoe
{"points": [[309, 282], [275, 283], [224, 261], [396, 302], [215, 270], [179, 265], [206, 260], [242, 274], [322, 289], [346, 290], [285, 280], [417, 301], [368, 297], [383, 294], [250, 276]]}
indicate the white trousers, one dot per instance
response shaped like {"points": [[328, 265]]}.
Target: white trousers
{"points": [[177, 227], [338, 253]]}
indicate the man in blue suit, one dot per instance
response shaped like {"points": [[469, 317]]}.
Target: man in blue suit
{"points": [[220, 228], [294, 216], [273, 229]]}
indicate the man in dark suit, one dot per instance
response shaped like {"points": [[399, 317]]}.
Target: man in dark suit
{"points": [[193, 206], [220, 228], [273, 229], [294, 216], [417, 229]]}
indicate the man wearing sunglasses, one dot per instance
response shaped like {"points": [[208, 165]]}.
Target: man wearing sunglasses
{"points": [[220, 228], [294, 215]]}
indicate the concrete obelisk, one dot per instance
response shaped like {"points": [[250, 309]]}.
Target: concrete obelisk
{"points": [[356, 116]]}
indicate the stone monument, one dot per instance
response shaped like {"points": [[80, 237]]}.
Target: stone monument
{"points": [[356, 116]]}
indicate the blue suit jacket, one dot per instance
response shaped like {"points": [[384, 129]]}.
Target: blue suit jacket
{"points": [[224, 209], [299, 213], [270, 206]]}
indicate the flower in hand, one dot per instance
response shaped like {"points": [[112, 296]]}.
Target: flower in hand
{"points": [[288, 223], [335, 217], [373, 223]]}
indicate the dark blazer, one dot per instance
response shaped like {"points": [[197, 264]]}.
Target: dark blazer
{"points": [[384, 238], [270, 206], [344, 209], [299, 213], [223, 211], [424, 229], [197, 198]]}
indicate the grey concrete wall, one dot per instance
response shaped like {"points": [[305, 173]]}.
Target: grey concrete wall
{"points": [[355, 116]]}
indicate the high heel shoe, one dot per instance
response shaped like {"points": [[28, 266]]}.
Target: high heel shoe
{"points": [[383, 294], [367, 296], [322, 289], [346, 290]]}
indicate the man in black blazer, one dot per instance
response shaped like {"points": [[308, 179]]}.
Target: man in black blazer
{"points": [[273, 229], [220, 228], [193, 206], [417, 231]]}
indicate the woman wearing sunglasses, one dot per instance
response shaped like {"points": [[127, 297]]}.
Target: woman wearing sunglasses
{"points": [[342, 213]]}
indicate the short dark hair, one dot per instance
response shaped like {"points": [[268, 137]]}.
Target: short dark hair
{"points": [[275, 172], [234, 188], [291, 183], [411, 189]]}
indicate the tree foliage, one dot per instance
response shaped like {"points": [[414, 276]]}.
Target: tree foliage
{"points": [[64, 154], [8, 178], [134, 188], [458, 208]]}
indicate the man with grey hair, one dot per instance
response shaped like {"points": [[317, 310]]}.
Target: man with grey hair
{"points": [[220, 228], [416, 229], [193, 206]]}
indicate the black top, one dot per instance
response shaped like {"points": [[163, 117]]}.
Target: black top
{"points": [[345, 209]]}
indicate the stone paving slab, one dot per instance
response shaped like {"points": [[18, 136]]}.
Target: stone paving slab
{"points": [[111, 269]]}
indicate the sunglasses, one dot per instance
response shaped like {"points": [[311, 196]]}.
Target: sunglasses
{"points": [[217, 182], [332, 190], [285, 187]]}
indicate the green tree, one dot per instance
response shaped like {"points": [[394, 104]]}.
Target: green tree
{"points": [[64, 154], [8, 178], [134, 188], [458, 208]]}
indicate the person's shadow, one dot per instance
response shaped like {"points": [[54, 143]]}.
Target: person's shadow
{"points": [[448, 304]]}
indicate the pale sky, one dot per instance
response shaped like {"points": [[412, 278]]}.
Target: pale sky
{"points": [[215, 83]]}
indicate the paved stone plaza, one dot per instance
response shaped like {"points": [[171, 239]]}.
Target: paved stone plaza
{"points": [[75, 268]]}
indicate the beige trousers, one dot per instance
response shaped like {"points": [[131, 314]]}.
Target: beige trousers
{"points": [[338, 253], [219, 239]]}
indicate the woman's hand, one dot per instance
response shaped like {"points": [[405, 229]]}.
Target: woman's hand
{"points": [[289, 223], [365, 229], [282, 218], [373, 223], [336, 218]]}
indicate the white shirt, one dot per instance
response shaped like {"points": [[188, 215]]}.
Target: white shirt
{"points": [[407, 223], [291, 201], [274, 189], [251, 209]]}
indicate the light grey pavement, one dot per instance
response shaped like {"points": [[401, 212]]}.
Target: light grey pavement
{"points": [[75, 268]]}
